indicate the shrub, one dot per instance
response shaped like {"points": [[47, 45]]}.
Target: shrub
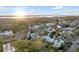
{"points": [[1, 45], [21, 45], [77, 32], [77, 50], [37, 45]]}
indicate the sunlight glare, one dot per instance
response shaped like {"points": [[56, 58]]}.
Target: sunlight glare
{"points": [[19, 13]]}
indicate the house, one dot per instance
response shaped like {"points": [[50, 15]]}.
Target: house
{"points": [[55, 41], [20, 35], [58, 26], [68, 29], [31, 36], [6, 33], [48, 39], [58, 42]]}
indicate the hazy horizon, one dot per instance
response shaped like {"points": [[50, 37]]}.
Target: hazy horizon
{"points": [[39, 10]]}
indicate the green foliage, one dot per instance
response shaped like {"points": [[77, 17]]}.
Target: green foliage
{"points": [[77, 50], [72, 35], [77, 32], [71, 18], [50, 48], [1, 45], [37, 45], [21, 45], [18, 27]]}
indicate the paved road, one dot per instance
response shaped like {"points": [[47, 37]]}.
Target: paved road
{"points": [[73, 46]]}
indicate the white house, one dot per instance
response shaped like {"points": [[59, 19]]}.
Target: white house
{"points": [[6, 33], [57, 42], [48, 39], [33, 36], [58, 26]]}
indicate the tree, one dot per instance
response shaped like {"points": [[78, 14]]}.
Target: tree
{"points": [[37, 45], [21, 45], [1, 45]]}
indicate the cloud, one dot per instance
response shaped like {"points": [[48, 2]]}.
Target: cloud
{"points": [[66, 12], [58, 7], [3, 8], [32, 9], [62, 10]]}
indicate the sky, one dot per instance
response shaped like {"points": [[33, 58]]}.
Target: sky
{"points": [[40, 10]]}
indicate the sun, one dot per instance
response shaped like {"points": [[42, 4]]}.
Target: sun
{"points": [[19, 13]]}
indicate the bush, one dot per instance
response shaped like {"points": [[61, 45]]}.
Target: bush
{"points": [[77, 32], [21, 45], [77, 50], [1, 45], [50, 48], [37, 45]]}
